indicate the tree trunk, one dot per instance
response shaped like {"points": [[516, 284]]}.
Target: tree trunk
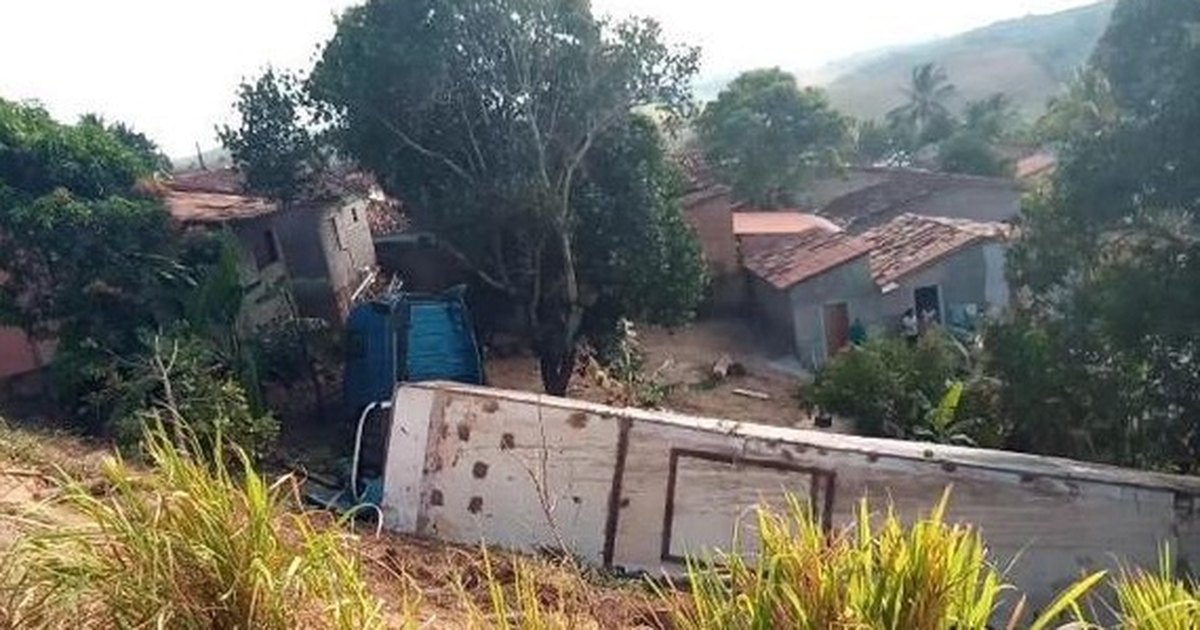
{"points": [[557, 365]]}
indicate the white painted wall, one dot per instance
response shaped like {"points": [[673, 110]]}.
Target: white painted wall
{"points": [[637, 489]]}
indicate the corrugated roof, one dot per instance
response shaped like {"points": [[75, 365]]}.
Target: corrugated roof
{"points": [[912, 242], [799, 258], [779, 222]]}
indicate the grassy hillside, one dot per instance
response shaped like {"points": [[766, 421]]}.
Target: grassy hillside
{"points": [[1028, 58]]}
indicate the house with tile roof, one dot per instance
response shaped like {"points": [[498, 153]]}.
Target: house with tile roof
{"points": [[864, 197], [812, 289], [310, 257]]}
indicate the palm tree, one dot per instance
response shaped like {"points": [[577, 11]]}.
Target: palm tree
{"points": [[925, 116]]}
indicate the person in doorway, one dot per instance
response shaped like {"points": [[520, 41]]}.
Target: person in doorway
{"points": [[929, 319], [858, 333], [908, 327]]}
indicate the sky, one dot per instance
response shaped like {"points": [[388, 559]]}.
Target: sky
{"points": [[170, 67]]}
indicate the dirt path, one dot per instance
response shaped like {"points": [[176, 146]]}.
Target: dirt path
{"points": [[683, 359]]}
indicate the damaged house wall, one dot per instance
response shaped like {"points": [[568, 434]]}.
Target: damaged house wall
{"points": [[639, 490]]}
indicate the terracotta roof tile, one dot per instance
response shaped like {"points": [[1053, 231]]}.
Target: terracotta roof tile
{"points": [[798, 258], [905, 190], [779, 222], [912, 242], [207, 207]]}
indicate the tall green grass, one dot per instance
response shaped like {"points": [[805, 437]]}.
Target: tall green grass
{"points": [[933, 575], [1157, 601], [193, 542]]}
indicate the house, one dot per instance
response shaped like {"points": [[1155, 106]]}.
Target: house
{"points": [[865, 197], [755, 230], [21, 362], [311, 257], [811, 289]]}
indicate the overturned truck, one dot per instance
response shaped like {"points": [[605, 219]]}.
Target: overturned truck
{"points": [[640, 491]]}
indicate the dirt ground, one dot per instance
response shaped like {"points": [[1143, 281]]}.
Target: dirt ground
{"points": [[683, 359]]}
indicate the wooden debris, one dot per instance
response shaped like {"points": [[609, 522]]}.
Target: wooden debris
{"points": [[750, 393], [726, 367]]}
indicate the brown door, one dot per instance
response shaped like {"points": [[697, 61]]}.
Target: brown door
{"points": [[837, 327]]}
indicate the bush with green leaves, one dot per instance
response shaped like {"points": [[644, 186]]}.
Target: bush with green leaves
{"points": [[888, 385], [186, 376]]}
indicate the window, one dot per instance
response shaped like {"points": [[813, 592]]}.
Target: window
{"points": [[337, 235], [354, 213], [267, 251]]}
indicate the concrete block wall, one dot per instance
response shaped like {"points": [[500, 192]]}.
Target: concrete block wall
{"points": [[640, 490]]}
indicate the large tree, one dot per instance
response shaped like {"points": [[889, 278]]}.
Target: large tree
{"points": [[1108, 263], [971, 148], [274, 145], [483, 116], [768, 138], [925, 117]]}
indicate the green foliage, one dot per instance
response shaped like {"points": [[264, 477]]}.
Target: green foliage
{"points": [[875, 143], [1086, 108], [766, 137], [190, 378], [153, 159], [1105, 250], [925, 117], [932, 575], [273, 146], [886, 385], [193, 543], [638, 257], [971, 154], [485, 118], [39, 155]]}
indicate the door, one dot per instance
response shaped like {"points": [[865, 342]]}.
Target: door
{"points": [[928, 301], [837, 327]]}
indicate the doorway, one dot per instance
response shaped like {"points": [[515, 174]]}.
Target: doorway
{"points": [[928, 302], [836, 318]]}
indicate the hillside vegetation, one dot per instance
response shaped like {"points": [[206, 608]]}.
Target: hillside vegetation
{"points": [[1029, 59]]}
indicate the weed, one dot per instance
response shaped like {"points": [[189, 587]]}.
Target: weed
{"points": [[188, 544]]}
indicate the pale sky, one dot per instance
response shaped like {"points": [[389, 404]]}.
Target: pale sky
{"points": [[170, 67]]}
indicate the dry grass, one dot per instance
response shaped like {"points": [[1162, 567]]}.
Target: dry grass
{"points": [[189, 543], [439, 585]]}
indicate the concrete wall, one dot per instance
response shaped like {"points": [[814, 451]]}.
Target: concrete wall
{"points": [[350, 249], [638, 490], [268, 296], [850, 283], [988, 201], [712, 219], [325, 262], [972, 276]]}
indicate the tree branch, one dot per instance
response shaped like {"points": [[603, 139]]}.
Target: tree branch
{"points": [[462, 259], [423, 150]]}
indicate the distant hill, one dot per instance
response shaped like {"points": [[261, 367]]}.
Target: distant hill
{"points": [[1028, 58]]}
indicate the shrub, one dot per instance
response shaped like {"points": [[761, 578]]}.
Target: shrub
{"points": [[185, 377], [887, 385], [190, 544]]}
